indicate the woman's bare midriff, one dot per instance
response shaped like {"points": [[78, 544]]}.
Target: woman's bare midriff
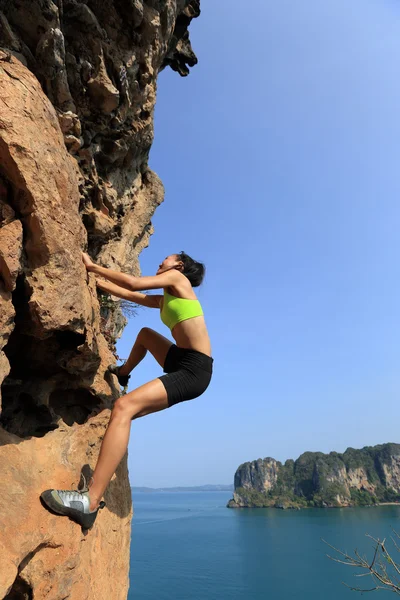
{"points": [[192, 334]]}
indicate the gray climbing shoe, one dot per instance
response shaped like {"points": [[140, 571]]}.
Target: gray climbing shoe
{"points": [[123, 380], [72, 503]]}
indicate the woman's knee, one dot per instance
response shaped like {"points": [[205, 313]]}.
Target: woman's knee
{"points": [[125, 408], [147, 338], [145, 332]]}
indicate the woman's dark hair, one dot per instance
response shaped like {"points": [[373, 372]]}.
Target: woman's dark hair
{"points": [[192, 269]]}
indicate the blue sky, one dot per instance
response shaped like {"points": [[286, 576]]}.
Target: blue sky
{"points": [[280, 158]]}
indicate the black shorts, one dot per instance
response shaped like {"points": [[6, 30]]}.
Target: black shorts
{"points": [[188, 374]]}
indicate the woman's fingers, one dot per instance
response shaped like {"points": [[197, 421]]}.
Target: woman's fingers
{"points": [[100, 282], [87, 261]]}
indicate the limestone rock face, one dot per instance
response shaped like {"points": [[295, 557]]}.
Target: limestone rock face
{"points": [[391, 472], [259, 474], [356, 477], [49, 554], [77, 96]]}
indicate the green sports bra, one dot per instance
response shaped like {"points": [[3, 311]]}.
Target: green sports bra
{"points": [[175, 310]]}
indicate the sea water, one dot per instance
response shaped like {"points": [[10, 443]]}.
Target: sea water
{"points": [[188, 545]]}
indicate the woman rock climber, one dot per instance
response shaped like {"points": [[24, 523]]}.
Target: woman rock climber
{"points": [[187, 364]]}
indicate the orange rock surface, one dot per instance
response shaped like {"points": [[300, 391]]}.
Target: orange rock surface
{"points": [[77, 96]]}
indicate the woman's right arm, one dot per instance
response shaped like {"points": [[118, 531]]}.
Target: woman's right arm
{"points": [[149, 300]]}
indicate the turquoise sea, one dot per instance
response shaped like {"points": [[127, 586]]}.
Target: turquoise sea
{"points": [[188, 546]]}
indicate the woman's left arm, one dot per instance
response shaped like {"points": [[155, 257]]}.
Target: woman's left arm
{"points": [[135, 284]]}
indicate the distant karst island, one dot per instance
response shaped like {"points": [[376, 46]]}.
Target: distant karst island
{"points": [[196, 488], [363, 477]]}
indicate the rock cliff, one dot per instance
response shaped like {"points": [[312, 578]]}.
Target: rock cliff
{"points": [[77, 95], [356, 477]]}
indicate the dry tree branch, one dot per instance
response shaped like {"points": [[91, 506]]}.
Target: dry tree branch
{"points": [[128, 308], [379, 568]]}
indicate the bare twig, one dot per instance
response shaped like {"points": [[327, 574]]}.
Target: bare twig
{"points": [[382, 568]]}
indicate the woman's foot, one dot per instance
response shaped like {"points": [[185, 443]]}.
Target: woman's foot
{"points": [[74, 504], [123, 380]]}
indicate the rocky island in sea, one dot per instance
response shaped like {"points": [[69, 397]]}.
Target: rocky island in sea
{"points": [[355, 478]]}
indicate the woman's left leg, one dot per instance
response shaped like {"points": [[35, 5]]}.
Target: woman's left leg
{"points": [[83, 506], [148, 398]]}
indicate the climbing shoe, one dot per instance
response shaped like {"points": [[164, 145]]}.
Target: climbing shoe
{"points": [[72, 503], [123, 380]]}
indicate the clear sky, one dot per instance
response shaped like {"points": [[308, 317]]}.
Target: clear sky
{"points": [[280, 158]]}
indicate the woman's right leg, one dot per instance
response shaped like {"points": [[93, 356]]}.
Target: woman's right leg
{"points": [[147, 339]]}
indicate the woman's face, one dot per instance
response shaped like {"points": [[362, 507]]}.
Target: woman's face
{"points": [[169, 263]]}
